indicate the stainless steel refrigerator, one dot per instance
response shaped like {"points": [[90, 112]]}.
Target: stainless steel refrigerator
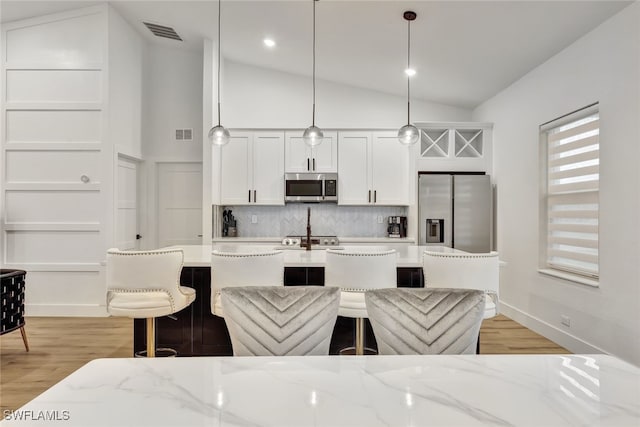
{"points": [[455, 211]]}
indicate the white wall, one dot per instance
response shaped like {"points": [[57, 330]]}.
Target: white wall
{"points": [[172, 94], [254, 97], [603, 66], [125, 86]]}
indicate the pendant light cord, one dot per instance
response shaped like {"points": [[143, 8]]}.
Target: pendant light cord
{"points": [[313, 112], [219, 47], [408, 68]]}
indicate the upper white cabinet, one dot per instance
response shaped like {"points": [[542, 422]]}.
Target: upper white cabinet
{"points": [[299, 157], [373, 169], [252, 169], [455, 146]]}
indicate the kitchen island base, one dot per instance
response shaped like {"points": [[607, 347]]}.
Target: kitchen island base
{"points": [[195, 331]]}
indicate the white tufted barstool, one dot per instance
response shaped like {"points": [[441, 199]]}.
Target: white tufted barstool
{"points": [[233, 269], [146, 285], [355, 273], [464, 271]]}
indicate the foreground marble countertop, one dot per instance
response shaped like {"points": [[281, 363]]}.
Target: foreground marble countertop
{"points": [[504, 390], [200, 255]]}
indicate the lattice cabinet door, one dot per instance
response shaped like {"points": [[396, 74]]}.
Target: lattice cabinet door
{"points": [[434, 143], [468, 142]]}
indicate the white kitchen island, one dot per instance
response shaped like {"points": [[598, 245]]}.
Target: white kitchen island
{"points": [[194, 331], [367, 391]]}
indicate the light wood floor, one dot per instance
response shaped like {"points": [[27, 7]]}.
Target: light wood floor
{"points": [[61, 345]]}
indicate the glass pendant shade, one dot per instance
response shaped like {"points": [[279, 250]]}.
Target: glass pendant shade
{"points": [[408, 135], [312, 136], [218, 135]]}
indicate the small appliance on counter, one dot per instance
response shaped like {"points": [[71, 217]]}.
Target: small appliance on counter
{"points": [[397, 226], [229, 228]]}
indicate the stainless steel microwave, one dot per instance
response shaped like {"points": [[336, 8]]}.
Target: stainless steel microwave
{"points": [[311, 187]]}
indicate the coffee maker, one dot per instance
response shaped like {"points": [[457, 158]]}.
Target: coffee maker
{"points": [[397, 226]]}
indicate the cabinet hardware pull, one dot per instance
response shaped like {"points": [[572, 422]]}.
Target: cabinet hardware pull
{"points": [[369, 196], [307, 163], [254, 196], [249, 196], [375, 196], [314, 164]]}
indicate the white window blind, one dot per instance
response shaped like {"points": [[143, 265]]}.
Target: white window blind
{"points": [[573, 157]]}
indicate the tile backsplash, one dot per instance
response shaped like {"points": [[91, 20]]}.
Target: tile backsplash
{"points": [[326, 219]]}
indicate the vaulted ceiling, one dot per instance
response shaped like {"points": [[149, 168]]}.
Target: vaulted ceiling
{"points": [[464, 52]]}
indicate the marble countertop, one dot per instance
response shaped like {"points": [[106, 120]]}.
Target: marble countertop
{"points": [[342, 239], [505, 390], [200, 255]]}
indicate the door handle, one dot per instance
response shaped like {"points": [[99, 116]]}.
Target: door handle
{"points": [[307, 163], [369, 196], [375, 196], [314, 164], [249, 196], [254, 196]]}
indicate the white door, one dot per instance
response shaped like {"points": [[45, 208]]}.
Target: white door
{"points": [[268, 168], [297, 154], [235, 174], [390, 170], [179, 204], [324, 157], [127, 205], [354, 168]]}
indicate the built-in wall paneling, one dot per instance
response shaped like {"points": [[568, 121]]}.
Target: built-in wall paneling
{"points": [[54, 157]]}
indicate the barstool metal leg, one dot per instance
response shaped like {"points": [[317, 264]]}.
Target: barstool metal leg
{"points": [[24, 337], [151, 337], [359, 336]]}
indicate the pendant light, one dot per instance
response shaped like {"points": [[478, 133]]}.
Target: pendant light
{"points": [[313, 135], [218, 135], [408, 134]]}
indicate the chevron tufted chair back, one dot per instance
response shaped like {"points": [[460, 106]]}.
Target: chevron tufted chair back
{"points": [[280, 321], [425, 321]]}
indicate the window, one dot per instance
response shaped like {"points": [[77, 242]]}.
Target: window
{"points": [[572, 155]]}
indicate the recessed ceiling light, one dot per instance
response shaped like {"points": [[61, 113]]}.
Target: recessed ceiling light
{"points": [[269, 43], [410, 72]]}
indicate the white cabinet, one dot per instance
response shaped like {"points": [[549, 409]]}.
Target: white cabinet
{"points": [[455, 146], [299, 157], [373, 169], [252, 169]]}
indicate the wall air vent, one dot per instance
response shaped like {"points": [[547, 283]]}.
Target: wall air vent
{"points": [[162, 31]]}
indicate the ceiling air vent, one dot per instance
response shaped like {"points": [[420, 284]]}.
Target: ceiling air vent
{"points": [[162, 31]]}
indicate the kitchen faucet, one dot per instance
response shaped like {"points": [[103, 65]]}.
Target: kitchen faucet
{"points": [[308, 245]]}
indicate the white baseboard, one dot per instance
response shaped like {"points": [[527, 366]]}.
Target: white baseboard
{"points": [[65, 310], [560, 337]]}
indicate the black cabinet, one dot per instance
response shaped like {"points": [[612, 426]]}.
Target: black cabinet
{"points": [[304, 276], [194, 331]]}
